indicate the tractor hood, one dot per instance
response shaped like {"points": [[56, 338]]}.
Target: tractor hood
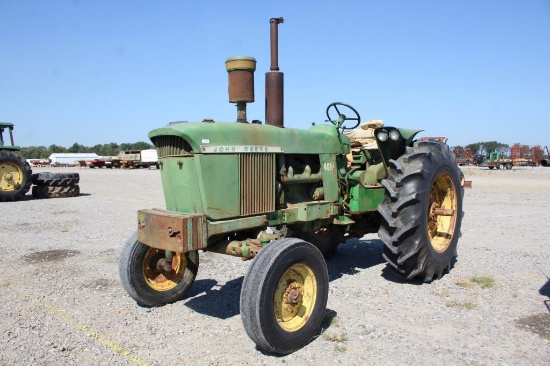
{"points": [[321, 139]]}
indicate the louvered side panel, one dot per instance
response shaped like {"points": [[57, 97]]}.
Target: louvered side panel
{"points": [[257, 183], [171, 146]]}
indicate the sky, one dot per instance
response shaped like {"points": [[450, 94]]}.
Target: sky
{"points": [[96, 72]]}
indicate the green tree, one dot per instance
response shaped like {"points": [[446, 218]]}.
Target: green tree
{"points": [[34, 152], [476, 148], [57, 149], [142, 145], [77, 148], [485, 148]]}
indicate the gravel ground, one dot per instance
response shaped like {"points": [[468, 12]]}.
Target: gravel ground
{"points": [[62, 302]]}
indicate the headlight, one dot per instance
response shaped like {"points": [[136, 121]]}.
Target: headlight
{"points": [[382, 135], [394, 135]]}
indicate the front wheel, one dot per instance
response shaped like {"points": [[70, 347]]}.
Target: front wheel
{"points": [[155, 277], [422, 211], [284, 295]]}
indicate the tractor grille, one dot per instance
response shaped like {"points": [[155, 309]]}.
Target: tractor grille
{"points": [[171, 146], [257, 183]]}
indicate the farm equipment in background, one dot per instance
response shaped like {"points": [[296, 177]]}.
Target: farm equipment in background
{"points": [[286, 198], [464, 156], [15, 172], [520, 155], [136, 159], [496, 160], [545, 161], [524, 155]]}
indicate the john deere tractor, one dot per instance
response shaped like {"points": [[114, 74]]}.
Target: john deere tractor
{"points": [[285, 198], [15, 172]]}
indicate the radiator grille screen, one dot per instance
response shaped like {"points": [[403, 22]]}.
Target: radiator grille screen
{"points": [[257, 183]]}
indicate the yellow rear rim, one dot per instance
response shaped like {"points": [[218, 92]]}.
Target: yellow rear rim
{"points": [[11, 176], [161, 279], [295, 297], [443, 212]]}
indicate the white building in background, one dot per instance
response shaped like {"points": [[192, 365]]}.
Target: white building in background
{"points": [[70, 158]]}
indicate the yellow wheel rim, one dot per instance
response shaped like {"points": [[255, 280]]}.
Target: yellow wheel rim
{"points": [[443, 212], [295, 297], [11, 176], [163, 278]]}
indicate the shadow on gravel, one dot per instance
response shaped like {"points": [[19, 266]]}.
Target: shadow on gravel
{"points": [[208, 298], [328, 318], [545, 291], [355, 254], [222, 302], [30, 197]]}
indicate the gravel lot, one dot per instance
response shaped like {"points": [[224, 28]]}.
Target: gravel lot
{"points": [[62, 302]]}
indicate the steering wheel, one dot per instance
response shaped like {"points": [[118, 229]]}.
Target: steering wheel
{"points": [[339, 122]]}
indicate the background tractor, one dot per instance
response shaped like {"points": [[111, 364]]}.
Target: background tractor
{"points": [[286, 198], [15, 172]]}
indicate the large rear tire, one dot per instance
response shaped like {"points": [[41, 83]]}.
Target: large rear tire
{"points": [[15, 176], [422, 211], [284, 295], [55, 192], [55, 179], [155, 277]]}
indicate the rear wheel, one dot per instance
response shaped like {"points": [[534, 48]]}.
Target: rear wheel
{"points": [[155, 277], [422, 211], [15, 176], [284, 295], [508, 166]]}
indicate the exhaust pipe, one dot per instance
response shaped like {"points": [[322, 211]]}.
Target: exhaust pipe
{"points": [[274, 81]]}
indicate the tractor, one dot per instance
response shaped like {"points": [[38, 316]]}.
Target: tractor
{"points": [[285, 198], [15, 172]]}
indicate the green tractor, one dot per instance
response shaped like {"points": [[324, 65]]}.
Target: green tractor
{"points": [[286, 198], [15, 172]]}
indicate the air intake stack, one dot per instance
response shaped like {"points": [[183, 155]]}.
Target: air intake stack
{"points": [[274, 81], [241, 83]]}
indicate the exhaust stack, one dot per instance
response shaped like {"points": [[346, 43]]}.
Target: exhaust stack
{"points": [[274, 81]]}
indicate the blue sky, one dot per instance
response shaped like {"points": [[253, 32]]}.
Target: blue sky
{"points": [[96, 72]]}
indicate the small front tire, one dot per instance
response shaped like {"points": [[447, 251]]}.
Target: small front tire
{"points": [[147, 279], [284, 295]]}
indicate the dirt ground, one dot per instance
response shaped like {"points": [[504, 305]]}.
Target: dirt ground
{"points": [[62, 302]]}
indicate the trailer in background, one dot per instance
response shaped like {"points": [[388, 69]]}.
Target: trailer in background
{"points": [[136, 159]]}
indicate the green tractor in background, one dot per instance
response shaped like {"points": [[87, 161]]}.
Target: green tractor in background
{"points": [[15, 172], [286, 198]]}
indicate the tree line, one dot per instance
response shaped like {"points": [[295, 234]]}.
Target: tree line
{"points": [[111, 149], [485, 148]]}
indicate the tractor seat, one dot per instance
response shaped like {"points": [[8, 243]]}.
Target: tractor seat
{"points": [[363, 137]]}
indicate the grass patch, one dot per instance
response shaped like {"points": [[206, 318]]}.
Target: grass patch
{"points": [[337, 337], [465, 284], [341, 348], [460, 304], [483, 281], [443, 293]]}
